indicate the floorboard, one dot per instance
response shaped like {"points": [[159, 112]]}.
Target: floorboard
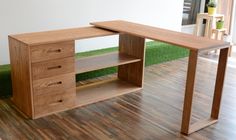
{"points": [[153, 113]]}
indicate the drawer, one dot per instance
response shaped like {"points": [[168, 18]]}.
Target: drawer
{"points": [[53, 68], [50, 103], [54, 84], [52, 51]]}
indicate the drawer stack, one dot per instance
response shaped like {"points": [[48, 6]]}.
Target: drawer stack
{"points": [[53, 76], [51, 70], [43, 70]]}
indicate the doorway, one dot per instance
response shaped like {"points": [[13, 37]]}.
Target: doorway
{"points": [[190, 10]]}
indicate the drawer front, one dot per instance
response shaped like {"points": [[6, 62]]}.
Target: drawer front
{"points": [[54, 84], [53, 68], [52, 51], [54, 102]]}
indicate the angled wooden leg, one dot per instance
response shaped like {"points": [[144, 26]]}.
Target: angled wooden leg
{"points": [[219, 83], [186, 128], [192, 66]]}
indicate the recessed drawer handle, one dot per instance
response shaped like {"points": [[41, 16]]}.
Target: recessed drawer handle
{"points": [[55, 67], [54, 83], [57, 102], [60, 101], [55, 51]]}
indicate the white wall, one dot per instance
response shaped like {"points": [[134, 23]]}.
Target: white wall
{"points": [[19, 16], [234, 24], [234, 32]]}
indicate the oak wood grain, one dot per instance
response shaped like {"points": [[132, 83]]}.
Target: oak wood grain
{"points": [[103, 90], [54, 84], [45, 104], [201, 125], [151, 113], [104, 61], [189, 90], [55, 67], [21, 76], [64, 35], [52, 51], [133, 46], [191, 42], [219, 84]]}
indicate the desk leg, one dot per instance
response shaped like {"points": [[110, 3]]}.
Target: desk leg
{"points": [[186, 128], [192, 66], [219, 83]]}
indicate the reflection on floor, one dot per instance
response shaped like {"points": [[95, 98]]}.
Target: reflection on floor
{"points": [[212, 56]]}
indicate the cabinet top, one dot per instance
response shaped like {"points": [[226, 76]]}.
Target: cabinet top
{"points": [[188, 41], [39, 38]]}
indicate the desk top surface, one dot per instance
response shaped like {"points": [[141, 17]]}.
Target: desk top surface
{"points": [[55, 36], [188, 41]]}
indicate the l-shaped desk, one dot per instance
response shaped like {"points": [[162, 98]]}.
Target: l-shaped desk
{"points": [[44, 68]]}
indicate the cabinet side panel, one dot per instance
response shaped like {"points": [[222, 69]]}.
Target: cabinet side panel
{"points": [[134, 46], [21, 76]]}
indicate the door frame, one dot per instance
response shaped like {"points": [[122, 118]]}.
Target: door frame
{"points": [[190, 28]]}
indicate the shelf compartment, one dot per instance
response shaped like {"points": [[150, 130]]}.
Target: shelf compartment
{"points": [[104, 90], [103, 61]]}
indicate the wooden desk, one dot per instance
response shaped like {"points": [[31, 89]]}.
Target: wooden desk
{"points": [[43, 68], [194, 44]]}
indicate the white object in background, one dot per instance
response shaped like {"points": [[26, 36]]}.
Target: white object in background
{"points": [[228, 38]]}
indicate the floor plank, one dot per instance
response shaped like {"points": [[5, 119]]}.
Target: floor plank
{"points": [[153, 113]]}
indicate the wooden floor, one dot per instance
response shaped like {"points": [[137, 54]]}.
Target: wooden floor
{"points": [[152, 114]]}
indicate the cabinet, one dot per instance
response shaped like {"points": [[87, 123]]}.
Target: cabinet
{"points": [[44, 68]]}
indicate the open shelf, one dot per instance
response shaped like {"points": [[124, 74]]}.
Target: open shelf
{"points": [[103, 61], [103, 90]]}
